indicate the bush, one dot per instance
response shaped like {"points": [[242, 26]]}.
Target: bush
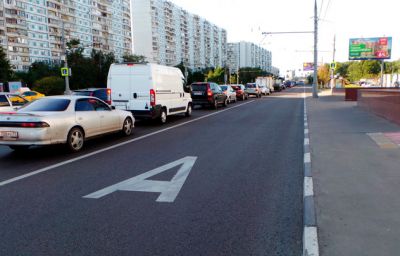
{"points": [[51, 85]]}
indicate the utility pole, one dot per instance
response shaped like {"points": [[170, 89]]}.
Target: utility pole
{"points": [[67, 90], [315, 82], [333, 61]]}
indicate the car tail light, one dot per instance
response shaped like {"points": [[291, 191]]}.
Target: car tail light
{"points": [[209, 92], [108, 101], [25, 124], [152, 98]]}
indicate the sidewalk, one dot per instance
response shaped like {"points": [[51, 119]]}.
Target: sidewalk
{"points": [[356, 172]]}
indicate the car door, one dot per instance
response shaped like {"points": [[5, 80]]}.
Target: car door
{"points": [[109, 119], [87, 116]]}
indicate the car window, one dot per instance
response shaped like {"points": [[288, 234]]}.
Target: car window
{"points": [[46, 105], [82, 93], [3, 101], [101, 94], [99, 106], [28, 94], [17, 100], [84, 105], [250, 86], [199, 87], [224, 88]]}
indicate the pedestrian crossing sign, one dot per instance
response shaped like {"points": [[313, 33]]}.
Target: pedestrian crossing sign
{"points": [[64, 72]]}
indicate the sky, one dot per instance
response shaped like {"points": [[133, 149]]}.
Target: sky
{"points": [[245, 20]]}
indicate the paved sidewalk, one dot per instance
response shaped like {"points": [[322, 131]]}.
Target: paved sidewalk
{"points": [[356, 179]]}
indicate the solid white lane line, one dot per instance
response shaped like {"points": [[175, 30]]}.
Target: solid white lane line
{"points": [[310, 242], [308, 186], [12, 180]]}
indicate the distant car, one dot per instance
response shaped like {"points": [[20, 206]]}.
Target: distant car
{"points": [[210, 94], [264, 90], [102, 93], [230, 92], [278, 87], [11, 101], [253, 89], [62, 119], [32, 95], [240, 91]]}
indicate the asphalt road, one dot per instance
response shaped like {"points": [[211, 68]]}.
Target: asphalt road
{"points": [[242, 196]]}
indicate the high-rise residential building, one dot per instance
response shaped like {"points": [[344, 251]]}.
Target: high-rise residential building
{"points": [[32, 30], [166, 34], [246, 54]]}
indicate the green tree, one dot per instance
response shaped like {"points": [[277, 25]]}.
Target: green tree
{"points": [[51, 85], [217, 75], [133, 58], [5, 67], [323, 74]]}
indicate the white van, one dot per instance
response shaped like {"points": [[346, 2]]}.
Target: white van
{"points": [[149, 91]]}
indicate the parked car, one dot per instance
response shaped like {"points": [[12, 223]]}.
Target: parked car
{"points": [[62, 119], [149, 91], [230, 92], [32, 95], [209, 94], [264, 90], [253, 89], [102, 93], [11, 101], [240, 91]]}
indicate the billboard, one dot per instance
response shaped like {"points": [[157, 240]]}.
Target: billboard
{"points": [[308, 66], [375, 48]]}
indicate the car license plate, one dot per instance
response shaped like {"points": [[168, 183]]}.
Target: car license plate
{"points": [[8, 135], [197, 93]]}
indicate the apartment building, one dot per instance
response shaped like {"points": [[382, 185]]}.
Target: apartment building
{"points": [[33, 30], [246, 54], [166, 34]]}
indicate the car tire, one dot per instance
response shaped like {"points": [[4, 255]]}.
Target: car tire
{"points": [[243, 97], [226, 102], [75, 139], [19, 148], [127, 127], [215, 104], [189, 110], [163, 117]]}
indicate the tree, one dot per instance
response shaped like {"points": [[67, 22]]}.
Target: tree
{"points": [[5, 67], [51, 85], [133, 58], [323, 74], [217, 75]]}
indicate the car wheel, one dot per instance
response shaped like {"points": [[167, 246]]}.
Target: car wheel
{"points": [[189, 110], [19, 148], [243, 97], [163, 116], [215, 104], [226, 102], [75, 139], [127, 127]]}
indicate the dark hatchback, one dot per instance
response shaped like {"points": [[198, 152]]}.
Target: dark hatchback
{"points": [[102, 93], [208, 94]]}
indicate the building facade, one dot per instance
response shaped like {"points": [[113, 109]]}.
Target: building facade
{"points": [[166, 34], [246, 54], [33, 30]]}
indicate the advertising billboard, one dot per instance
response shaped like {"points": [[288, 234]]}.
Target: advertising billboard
{"points": [[308, 66], [375, 48]]}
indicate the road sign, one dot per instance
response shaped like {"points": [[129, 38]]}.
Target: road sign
{"points": [[64, 72], [169, 189], [333, 65]]}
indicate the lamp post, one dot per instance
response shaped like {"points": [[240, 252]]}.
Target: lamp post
{"points": [[315, 80], [67, 89]]}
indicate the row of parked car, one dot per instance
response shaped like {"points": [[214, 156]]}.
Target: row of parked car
{"points": [[134, 91]]}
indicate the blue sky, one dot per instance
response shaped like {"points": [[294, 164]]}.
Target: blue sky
{"points": [[246, 19]]}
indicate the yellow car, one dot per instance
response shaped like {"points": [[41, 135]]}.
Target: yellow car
{"points": [[32, 95]]}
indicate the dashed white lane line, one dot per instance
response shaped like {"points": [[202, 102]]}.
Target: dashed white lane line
{"points": [[306, 131], [306, 141], [310, 242], [308, 186], [45, 169], [307, 158]]}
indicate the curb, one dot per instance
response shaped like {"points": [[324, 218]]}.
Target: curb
{"points": [[310, 235]]}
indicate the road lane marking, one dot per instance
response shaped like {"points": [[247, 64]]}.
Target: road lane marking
{"points": [[308, 186], [306, 131], [169, 189], [310, 242], [306, 141], [45, 169], [307, 158]]}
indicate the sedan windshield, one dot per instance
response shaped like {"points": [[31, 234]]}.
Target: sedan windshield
{"points": [[224, 88], [46, 105]]}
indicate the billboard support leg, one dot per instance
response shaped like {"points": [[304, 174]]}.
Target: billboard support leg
{"points": [[382, 69]]}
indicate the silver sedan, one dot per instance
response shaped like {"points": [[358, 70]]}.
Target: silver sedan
{"points": [[66, 120]]}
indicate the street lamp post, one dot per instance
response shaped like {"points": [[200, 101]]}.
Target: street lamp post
{"points": [[67, 89], [315, 82]]}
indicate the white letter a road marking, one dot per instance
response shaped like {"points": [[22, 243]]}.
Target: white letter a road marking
{"points": [[169, 189]]}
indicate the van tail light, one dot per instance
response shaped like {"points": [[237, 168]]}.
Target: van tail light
{"points": [[152, 98], [209, 92], [108, 101]]}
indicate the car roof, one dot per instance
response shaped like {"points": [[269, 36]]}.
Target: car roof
{"points": [[89, 89], [67, 97]]}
